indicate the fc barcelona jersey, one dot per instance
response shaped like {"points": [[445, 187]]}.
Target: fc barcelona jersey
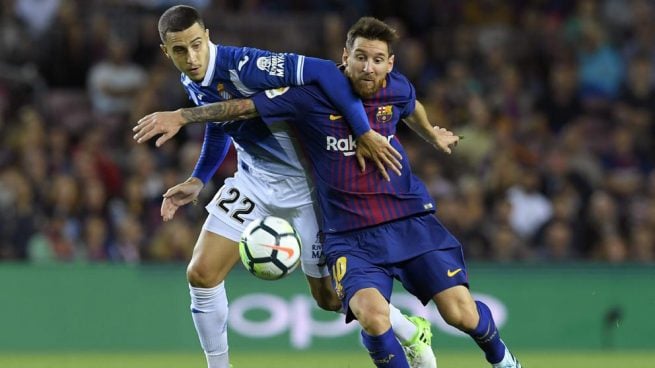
{"points": [[349, 198]]}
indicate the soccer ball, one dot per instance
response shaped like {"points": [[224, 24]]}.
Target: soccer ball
{"points": [[270, 248]]}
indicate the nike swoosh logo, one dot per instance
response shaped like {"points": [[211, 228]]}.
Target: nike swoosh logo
{"points": [[453, 273], [287, 250], [335, 117], [243, 62]]}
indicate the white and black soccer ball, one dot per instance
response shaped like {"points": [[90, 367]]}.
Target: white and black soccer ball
{"points": [[270, 248]]}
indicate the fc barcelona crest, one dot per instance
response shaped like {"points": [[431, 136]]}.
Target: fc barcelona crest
{"points": [[384, 113]]}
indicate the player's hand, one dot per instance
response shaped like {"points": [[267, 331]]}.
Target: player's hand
{"points": [[443, 139], [166, 123], [180, 195], [375, 147]]}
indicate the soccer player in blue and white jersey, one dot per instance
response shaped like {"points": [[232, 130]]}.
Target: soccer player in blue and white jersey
{"points": [[270, 178], [377, 230]]}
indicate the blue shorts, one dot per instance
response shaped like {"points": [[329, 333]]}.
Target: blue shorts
{"points": [[371, 258]]}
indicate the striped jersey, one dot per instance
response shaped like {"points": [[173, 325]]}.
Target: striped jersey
{"points": [[237, 72], [350, 199]]}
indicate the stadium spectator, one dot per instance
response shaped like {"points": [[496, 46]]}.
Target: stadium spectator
{"points": [[129, 241], [38, 15], [18, 214], [94, 242], [557, 243], [476, 150], [530, 208], [63, 50], [560, 101], [601, 67], [115, 81], [642, 244]]}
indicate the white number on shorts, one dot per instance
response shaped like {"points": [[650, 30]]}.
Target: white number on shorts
{"points": [[245, 205]]}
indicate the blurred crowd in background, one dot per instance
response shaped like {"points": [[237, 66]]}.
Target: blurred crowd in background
{"points": [[555, 99]]}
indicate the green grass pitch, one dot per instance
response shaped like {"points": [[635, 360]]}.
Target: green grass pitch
{"points": [[314, 359]]}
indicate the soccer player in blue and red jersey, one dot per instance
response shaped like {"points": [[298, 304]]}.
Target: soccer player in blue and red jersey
{"points": [[270, 176], [377, 230]]}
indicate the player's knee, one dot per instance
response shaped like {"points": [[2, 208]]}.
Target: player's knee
{"points": [[373, 317], [203, 277], [374, 322], [461, 315]]}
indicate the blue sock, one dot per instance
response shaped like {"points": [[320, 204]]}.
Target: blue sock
{"points": [[486, 335], [385, 350]]}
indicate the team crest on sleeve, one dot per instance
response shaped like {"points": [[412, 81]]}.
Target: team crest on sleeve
{"points": [[384, 113], [272, 93], [273, 64]]}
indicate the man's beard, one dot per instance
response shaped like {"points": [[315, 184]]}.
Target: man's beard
{"points": [[365, 90], [361, 88]]}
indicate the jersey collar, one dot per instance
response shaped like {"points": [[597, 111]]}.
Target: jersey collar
{"points": [[209, 75]]}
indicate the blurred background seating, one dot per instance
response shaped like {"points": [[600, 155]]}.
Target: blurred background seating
{"points": [[555, 99]]}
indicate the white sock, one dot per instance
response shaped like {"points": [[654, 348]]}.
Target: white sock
{"points": [[209, 313], [403, 328]]}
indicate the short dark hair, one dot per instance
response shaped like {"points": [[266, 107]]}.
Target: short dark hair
{"points": [[372, 29], [177, 19]]}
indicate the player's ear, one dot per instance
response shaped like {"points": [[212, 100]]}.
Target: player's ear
{"points": [[344, 57], [390, 63], [207, 33], [163, 49]]}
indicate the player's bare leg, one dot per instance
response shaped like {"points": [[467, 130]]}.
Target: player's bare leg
{"points": [[213, 258], [458, 309], [412, 332], [372, 311], [323, 293]]}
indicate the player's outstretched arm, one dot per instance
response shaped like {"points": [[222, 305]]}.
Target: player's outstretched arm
{"points": [[237, 109], [440, 138], [168, 123]]}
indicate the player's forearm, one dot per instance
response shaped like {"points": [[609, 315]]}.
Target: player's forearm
{"points": [[214, 149], [236, 109], [418, 121]]}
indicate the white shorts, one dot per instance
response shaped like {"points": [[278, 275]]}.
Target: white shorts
{"points": [[251, 194]]}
